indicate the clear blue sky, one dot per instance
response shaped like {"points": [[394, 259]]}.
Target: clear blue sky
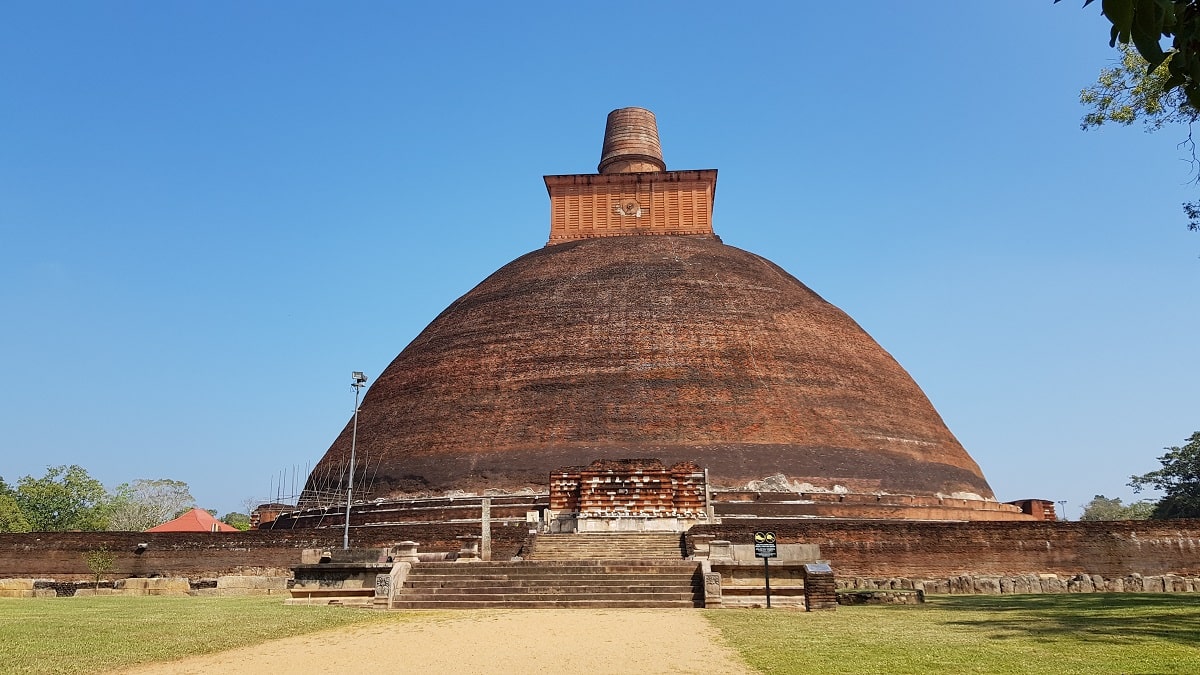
{"points": [[210, 213]]}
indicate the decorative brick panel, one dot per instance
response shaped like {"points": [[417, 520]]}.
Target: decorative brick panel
{"points": [[630, 487], [585, 206]]}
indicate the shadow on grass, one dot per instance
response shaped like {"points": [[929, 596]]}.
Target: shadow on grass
{"points": [[1101, 617]]}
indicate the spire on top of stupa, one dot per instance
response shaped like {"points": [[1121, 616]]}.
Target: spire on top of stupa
{"points": [[631, 143]]}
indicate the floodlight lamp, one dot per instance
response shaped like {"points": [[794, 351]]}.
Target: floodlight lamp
{"points": [[358, 377]]}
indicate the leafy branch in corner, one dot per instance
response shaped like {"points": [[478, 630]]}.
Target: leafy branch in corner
{"points": [[1158, 86]]}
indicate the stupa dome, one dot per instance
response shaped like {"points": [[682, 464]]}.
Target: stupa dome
{"points": [[637, 333], [679, 348]]}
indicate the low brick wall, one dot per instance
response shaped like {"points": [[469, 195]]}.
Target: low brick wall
{"points": [[59, 555], [869, 550], [932, 550]]}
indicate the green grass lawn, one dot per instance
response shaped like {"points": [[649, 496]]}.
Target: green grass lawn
{"points": [[87, 635], [1059, 634]]}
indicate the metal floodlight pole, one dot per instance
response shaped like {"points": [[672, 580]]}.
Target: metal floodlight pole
{"points": [[358, 381]]}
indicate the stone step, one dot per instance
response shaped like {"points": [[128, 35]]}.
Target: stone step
{"points": [[615, 536], [547, 545], [601, 554], [544, 604], [610, 536], [599, 582], [541, 576], [586, 540], [577, 574], [594, 563], [575, 567], [503, 596], [574, 574], [640, 580], [633, 562], [552, 589], [634, 549], [602, 547], [609, 567], [545, 581], [642, 539], [615, 551]]}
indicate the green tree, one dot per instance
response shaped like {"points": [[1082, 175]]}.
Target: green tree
{"points": [[1103, 508], [100, 562], [66, 498], [239, 520], [144, 503], [11, 518], [1179, 479]]}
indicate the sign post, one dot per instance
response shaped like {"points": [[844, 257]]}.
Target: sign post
{"points": [[764, 547]]}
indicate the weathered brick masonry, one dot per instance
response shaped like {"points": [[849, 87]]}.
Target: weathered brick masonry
{"points": [[940, 550], [856, 548], [59, 555]]}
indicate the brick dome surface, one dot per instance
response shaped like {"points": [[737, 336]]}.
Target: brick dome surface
{"points": [[678, 348]]}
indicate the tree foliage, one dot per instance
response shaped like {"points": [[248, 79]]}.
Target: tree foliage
{"points": [[100, 562], [1145, 23], [1130, 91], [144, 503], [11, 518], [66, 498], [1179, 479], [1103, 508], [239, 520], [1154, 85]]}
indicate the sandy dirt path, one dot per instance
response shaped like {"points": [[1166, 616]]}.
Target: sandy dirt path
{"points": [[496, 641]]}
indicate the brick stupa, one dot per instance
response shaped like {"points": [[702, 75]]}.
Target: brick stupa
{"points": [[635, 332]]}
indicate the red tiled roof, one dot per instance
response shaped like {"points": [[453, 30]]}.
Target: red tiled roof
{"points": [[196, 520]]}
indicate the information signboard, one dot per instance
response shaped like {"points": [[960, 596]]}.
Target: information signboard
{"points": [[764, 545]]}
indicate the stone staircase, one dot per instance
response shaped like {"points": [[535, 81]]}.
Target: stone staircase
{"points": [[552, 584], [564, 570], [607, 546]]}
